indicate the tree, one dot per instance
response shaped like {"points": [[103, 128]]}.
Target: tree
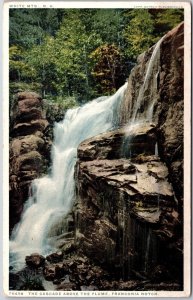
{"points": [[42, 59], [166, 19], [138, 32], [72, 48], [107, 67], [81, 53], [28, 27], [18, 68], [108, 23]]}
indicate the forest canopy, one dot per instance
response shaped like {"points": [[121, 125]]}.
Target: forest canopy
{"points": [[79, 54]]}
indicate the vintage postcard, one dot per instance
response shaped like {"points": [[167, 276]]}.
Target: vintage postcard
{"points": [[97, 116]]}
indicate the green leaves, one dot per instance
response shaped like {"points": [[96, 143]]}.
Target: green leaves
{"points": [[18, 67], [107, 67], [139, 32], [82, 53], [144, 27]]}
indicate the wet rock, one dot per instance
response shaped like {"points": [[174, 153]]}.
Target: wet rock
{"points": [[22, 129], [133, 177], [115, 144], [28, 95], [168, 94], [35, 260], [49, 273], [56, 281], [144, 181], [120, 285], [68, 247], [115, 195], [88, 288], [54, 271], [54, 257]]}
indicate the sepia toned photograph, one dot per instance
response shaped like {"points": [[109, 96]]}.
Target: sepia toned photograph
{"points": [[99, 111]]}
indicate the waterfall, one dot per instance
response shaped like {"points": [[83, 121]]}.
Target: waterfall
{"points": [[53, 195], [146, 101], [156, 149], [153, 67]]}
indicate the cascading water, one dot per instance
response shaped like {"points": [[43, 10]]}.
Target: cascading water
{"points": [[142, 115], [152, 68], [156, 150], [147, 98], [53, 195]]}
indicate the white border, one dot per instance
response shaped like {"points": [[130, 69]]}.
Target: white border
{"points": [[97, 4], [187, 144]]}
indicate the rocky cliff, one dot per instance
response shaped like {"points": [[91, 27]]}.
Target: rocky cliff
{"points": [[165, 91], [130, 183], [29, 149]]}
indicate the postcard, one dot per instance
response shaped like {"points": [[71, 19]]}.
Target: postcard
{"points": [[97, 179]]}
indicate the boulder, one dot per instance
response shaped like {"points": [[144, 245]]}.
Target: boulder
{"points": [[124, 142], [54, 257], [133, 176], [35, 260], [54, 271]]}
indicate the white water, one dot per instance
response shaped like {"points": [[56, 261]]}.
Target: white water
{"points": [[156, 149], [148, 91], [153, 67], [53, 195]]}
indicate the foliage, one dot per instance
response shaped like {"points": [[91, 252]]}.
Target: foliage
{"points": [[28, 27], [81, 53], [72, 47], [41, 58], [166, 19], [139, 32], [63, 102], [144, 27], [108, 24], [107, 67], [17, 66], [31, 281]]}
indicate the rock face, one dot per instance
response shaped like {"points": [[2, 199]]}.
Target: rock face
{"points": [[118, 143], [126, 210], [168, 98], [29, 149], [171, 110], [130, 181]]}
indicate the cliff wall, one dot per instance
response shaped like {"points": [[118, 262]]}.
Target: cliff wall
{"points": [[129, 209], [29, 150], [165, 90]]}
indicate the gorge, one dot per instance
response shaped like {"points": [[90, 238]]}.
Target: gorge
{"points": [[109, 214]]}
